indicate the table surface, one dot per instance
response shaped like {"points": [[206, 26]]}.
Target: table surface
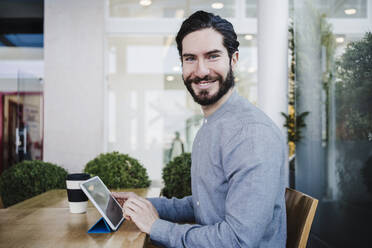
{"points": [[45, 221]]}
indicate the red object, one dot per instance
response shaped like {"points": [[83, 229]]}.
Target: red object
{"points": [[2, 99]]}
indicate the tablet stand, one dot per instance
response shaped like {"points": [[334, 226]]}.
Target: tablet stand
{"points": [[100, 227]]}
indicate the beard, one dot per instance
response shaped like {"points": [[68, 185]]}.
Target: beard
{"points": [[203, 98]]}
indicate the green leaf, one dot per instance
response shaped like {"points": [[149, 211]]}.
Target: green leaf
{"points": [[118, 171], [30, 178], [177, 177]]}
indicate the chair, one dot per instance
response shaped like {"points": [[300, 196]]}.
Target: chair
{"points": [[300, 214]]}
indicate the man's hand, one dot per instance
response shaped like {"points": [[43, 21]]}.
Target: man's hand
{"points": [[121, 197], [141, 212]]}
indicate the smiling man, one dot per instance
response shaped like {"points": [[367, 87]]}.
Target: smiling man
{"points": [[238, 156]]}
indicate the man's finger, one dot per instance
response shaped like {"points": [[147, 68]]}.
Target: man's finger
{"points": [[124, 195], [133, 206], [145, 201], [125, 215], [138, 202], [129, 212]]}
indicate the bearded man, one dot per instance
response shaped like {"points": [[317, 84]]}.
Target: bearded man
{"points": [[238, 156]]}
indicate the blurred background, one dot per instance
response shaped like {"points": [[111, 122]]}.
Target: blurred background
{"points": [[80, 78]]}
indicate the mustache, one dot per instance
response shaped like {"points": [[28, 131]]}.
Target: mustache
{"points": [[198, 79]]}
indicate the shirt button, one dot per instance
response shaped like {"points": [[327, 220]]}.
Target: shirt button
{"points": [[205, 121], [197, 203]]}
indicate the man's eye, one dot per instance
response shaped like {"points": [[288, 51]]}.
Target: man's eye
{"points": [[213, 56], [189, 59]]}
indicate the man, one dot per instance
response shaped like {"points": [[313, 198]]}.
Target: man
{"points": [[177, 147], [238, 156]]}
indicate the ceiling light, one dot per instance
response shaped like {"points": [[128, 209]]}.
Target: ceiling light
{"points": [[350, 11], [170, 78], [340, 39], [145, 2], [248, 37], [217, 5], [180, 13]]}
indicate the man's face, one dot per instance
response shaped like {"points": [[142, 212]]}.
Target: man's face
{"points": [[206, 68]]}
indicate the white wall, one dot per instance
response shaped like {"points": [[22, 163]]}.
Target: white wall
{"points": [[74, 88]]}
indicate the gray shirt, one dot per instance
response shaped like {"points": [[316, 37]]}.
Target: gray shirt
{"points": [[238, 184]]}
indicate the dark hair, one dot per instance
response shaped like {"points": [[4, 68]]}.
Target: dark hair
{"points": [[201, 20]]}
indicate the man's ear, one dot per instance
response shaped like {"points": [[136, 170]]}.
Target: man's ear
{"points": [[234, 59]]}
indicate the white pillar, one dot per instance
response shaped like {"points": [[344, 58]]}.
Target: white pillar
{"points": [[73, 85], [273, 59]]}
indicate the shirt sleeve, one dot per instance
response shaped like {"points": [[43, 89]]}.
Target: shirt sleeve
{"points": [[175, 210], [253, 162]]}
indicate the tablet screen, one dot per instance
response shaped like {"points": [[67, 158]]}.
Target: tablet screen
{"points": [[104, 200]]}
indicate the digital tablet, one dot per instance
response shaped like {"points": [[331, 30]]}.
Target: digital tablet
{"points": [[102, 199]]}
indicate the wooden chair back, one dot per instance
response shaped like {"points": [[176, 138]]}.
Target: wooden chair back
{"points": [[300, 214]]}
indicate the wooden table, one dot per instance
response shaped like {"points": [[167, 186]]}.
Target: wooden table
{"points": [[45, 221]]}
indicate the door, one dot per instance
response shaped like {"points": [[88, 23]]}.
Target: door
{"points": [[29, 131], [22, 122]]}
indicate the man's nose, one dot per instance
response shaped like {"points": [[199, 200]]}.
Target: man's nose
{"points": [[201, 70]]}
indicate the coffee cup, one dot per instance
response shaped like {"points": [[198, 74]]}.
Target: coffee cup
{"points": [[77, 199]]}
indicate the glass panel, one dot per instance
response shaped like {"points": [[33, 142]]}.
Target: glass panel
{"points": [[333, 8], [334, 155], [246, 74], [30, 117], [251, 8], [168, 8], [344, 9], [149, 105], [21, 117]]}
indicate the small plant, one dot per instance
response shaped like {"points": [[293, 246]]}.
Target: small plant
{"points": [[177, 177], [30, 178], [118, 171], [294, 123]]}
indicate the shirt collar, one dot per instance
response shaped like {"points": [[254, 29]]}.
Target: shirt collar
{"points": [[223, 108]]}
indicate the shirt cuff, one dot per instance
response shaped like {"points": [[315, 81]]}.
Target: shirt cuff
{"points": [[160, 231]]}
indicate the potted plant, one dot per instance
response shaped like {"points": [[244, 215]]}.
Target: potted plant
{"points": [[30, 178], [118, 171], [177, 177]]}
